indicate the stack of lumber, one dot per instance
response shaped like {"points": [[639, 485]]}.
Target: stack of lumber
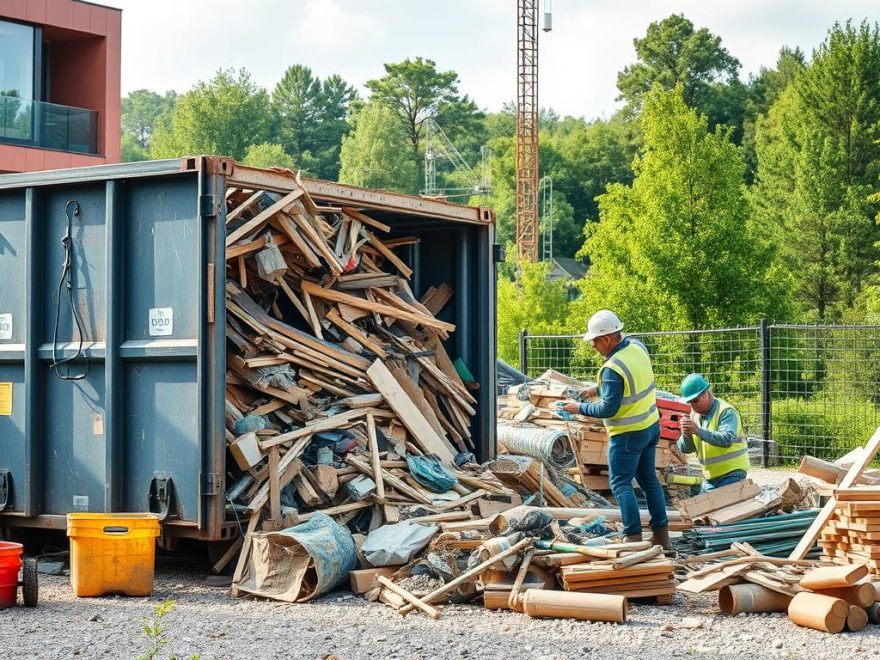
{"points": [[740, 501], [773, 536], [329, 350], [587, 434], [634, 570], [852, 533]]}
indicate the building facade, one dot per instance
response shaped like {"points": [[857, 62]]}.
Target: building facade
{"points": [[59, 84]]}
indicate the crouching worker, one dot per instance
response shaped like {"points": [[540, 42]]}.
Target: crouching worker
{"points": [[714, 432], [628, 408]]}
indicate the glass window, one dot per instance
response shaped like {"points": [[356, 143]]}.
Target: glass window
{"points": [[16, 80]]}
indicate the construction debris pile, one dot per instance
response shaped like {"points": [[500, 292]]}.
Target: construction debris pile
{"points": [[528, 414]]}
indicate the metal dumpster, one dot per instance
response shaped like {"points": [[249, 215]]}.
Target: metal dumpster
{"points": [[133, 254]]}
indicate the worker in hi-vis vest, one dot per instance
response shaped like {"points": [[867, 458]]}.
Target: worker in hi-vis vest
{"points": [[714, 432], [628, 408]]}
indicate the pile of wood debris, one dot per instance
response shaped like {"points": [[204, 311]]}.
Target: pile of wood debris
{"points": [[534, 405]]}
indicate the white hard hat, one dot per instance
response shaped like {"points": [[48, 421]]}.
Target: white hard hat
{"points": [[603, 322]]}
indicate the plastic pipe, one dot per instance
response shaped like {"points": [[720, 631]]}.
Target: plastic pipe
{"points": [[569, 605], [737, 598]]}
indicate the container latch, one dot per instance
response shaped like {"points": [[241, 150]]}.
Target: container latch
{"points": [[161, 488], [211, 205], [5, 488]]}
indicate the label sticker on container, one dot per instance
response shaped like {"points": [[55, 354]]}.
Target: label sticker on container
{"points": [[6, 399], [5, 326], [98, 424], [161, 321], [80, 502]]}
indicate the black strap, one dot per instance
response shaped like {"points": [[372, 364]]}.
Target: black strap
{"points": [[66, 280]]}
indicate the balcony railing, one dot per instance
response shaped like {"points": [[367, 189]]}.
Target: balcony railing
{"points": [[48, 125]]}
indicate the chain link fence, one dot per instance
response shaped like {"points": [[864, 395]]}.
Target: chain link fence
{"points": [[801, 389]]}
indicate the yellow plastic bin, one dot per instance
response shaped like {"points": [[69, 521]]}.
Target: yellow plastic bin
{"points": [[112, 553]]}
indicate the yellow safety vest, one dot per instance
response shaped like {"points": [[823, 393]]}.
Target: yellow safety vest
{"points": [[638, 409], [718, 461]]}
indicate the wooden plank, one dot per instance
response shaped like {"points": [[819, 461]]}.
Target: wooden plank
{"points": [[854, 472], [365, 219], [698, 506], [356, 333], [234, 549], [405, 270], [406, 411], [369, 306], [432, 612], [438, 298], [262, 217]]}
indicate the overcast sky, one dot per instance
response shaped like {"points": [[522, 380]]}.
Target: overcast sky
{"points": [[171, 44]]}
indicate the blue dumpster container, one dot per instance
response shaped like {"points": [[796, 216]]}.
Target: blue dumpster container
{"points": [[116, 274]]}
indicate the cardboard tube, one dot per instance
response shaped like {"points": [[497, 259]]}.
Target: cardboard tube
{"points": [[873, 612], [737, 598], [569, 605], [831, 577], [857, 619], [859, 594], [818, 612]]}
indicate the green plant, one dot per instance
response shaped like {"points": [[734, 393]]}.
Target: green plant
{"points": [[154, 633]]}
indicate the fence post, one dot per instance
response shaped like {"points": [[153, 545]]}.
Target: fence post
{"points": [[764, 344], [523, 351]]}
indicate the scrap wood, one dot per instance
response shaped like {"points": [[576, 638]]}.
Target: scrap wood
{"points": [[432, 612], [854, 472]]}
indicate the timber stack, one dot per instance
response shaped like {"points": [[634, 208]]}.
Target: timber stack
{"points": [[533, 405]]}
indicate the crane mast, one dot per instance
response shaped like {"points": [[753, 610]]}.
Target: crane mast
{"points": [[527, 131]]}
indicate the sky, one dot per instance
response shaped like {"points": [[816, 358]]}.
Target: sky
{"points": [[172, 44]]}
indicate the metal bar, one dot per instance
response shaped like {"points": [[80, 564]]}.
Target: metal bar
{"points": [[113, 377], [34, 372], [524, 351], [766, 402]]}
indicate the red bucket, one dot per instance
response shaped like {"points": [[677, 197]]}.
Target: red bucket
{"points": [[10, 565]]}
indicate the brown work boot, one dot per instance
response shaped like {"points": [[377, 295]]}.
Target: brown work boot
{"points": [[634, 538], [660, 536]]}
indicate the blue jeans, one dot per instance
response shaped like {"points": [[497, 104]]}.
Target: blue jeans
{"points": [[723, 480], [631, 456]]}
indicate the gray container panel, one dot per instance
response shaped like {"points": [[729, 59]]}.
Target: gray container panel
{"points": [[13, 299], [88, 259], [12, 434], [161, 433], [74, 469], [161, 243]]}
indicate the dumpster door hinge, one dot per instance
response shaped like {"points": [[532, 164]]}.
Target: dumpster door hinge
{"points": [[210, 205], [5, 488], [160, 494], [211, 483]]}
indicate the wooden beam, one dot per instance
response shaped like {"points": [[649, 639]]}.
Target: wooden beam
{"points": [[369, 306], [262, 217], [409, 415]]}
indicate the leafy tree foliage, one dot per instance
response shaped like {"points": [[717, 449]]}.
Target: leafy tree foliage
{"points": [[376, 154], [223, 116], [818, 161], [539, 305], [312, 118], [677, 247], [674, 53], [417, 91], [268, 154]]}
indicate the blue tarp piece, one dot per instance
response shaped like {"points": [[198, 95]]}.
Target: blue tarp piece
{"points": [[431, 473]]}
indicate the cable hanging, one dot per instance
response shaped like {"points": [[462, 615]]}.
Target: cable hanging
{"points": [[71, 209]]}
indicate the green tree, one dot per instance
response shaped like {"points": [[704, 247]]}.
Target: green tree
{"points": [[539, 306], [416, 91], [818, 161], [674, 53], [764, 89], [312, 118], [223, 116], [131, 149], [268, 154], [375, 154], [677, 248], [141, 111]]}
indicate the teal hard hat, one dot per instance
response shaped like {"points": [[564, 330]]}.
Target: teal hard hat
{"points": [[693, 386]]}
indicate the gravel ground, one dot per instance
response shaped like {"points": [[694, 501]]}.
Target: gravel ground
{"points": [[207, 623]]}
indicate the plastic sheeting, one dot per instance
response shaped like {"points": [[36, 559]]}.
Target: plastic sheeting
{"points": [[431, 473], [300, 563], [550, 445], [394, 545]]}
